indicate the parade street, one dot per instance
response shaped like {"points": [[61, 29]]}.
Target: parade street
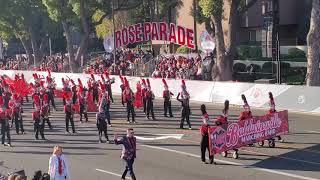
{"points": [[164, 152]]}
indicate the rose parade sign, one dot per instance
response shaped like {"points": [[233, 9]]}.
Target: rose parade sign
{"points": [[249, 131], [155, 31]]}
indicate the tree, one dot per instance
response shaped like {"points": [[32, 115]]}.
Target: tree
{"points": [[225, 42], [80, 14], [313, 41], [28, 21]]}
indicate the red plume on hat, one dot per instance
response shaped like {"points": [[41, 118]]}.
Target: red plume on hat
{"points": [[107, 74], [63, 82], [72, 82], [148, 82], [121, 78], [31, 84], [164, 83], [102, 78], [49, 72], [101, 86], [92, 76], [22, 76], [183, 82], [143, 81], [80, 83], [35, 76], [126, 82], [16, 77]]}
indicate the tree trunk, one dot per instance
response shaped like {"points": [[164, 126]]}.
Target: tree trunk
{"points": [[85, 38], [72, 64], [27, 47], [313, 41], [35, 46], [221, 69], [231, 37]]}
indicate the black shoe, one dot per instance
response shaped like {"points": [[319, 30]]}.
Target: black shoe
{"points": [[43, 138], [165, 115], [171, 116], [36, 138]]}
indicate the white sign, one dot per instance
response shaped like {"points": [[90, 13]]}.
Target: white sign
{"points": [[108, 43], [206, 42]]}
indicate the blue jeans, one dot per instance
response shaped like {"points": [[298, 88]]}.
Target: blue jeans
{"points": [[128, 167]]}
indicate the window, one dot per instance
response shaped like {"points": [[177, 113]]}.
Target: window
{"points": [[252, 36]]}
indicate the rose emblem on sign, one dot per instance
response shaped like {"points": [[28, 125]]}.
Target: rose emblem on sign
{"points": [[218, 138]]}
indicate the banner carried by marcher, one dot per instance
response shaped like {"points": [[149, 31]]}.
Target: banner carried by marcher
{"points": [[249, 131]]}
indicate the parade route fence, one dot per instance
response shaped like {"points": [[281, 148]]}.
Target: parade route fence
{"points": [[295, 98]]}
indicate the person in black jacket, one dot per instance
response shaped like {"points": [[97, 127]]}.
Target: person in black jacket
{"points": [[184, 97], [167, 99]]}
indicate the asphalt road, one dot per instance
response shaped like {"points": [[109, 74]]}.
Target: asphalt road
{"points": [[297, 158]]}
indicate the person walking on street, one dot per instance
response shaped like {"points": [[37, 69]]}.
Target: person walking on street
{"points": [[128, 155], [58, 166], [167, 99], [184, 97], [204, 131]]}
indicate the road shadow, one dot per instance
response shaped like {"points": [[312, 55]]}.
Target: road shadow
{"points": [[297, 160]]}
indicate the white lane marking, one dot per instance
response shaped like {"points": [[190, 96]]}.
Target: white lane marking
{"points": [[238, 164], [160, 137], [317, 132], [111, 173]]}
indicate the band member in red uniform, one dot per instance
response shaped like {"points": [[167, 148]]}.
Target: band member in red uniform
{"points": [[167, 94], [184, 97], [246, 113], [223, 118], [65, 90], [122, 87], [272, 110], [95, 89], [149, 96], [16, 109], [204, 131], [38, 119], [143, 92], [6, 95], [74, 91], [138, 96], [25, 82], [69, 112], [82, 100], [5, 127], [45, 109], [104, 104], [109, 82], [128, 97], [50, 90], [102, 125]]}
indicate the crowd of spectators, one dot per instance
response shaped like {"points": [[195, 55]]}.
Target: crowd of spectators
{"points": [[128, 62], [56, 63], [178, 67]]}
